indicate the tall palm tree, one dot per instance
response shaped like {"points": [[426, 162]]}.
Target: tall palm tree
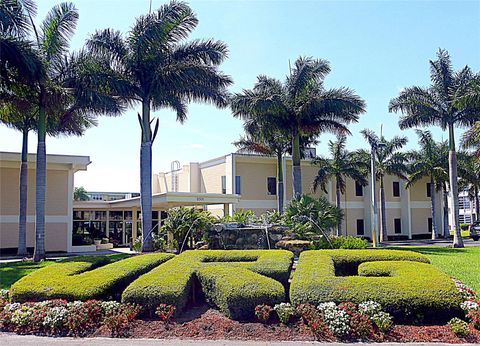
{"points": [[341, 165], [18, 110], [389, 160], [469, 173], [429, 161], [441, 104], [155, 67]]}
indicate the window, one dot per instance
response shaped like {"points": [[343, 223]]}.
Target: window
{"points": [[271, 186], [430, 225], [358, 189], [237, 185], [396, 189], [360, 227], [429, 191], [224, 184], [397, 225]]}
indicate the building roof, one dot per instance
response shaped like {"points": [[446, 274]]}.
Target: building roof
{"points": [[75, 162], [164, 200]]}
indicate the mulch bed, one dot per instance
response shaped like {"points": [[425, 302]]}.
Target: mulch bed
{"points": [[209, 324]]}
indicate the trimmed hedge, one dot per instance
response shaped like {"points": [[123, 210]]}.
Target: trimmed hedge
{"points": [[404, 282], [173, 282], [82, 278], [238, 295]]}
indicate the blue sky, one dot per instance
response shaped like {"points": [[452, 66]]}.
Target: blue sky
{"points": [[374, 47]]}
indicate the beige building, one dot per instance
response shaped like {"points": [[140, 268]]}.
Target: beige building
{"points": [[59, 197], [253, 177]]}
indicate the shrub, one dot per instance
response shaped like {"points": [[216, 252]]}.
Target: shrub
{"points": [[401, 281], [474, 317], [341, 242], [285, 312], [263, 312], [337, 320], [174, 281], [119, 321], [459, 327], [383, 321], [165, 312], [307, 313], [84, 278]]}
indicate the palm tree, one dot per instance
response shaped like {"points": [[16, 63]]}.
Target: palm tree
{"points": [[389, 160], [471, 138], [156, 68], [429, 161], [469, 173], [441, 104], [343, 164]]}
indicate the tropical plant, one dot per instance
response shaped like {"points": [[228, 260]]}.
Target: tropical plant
{"points": [[80, 194], [306, 108], [429, 161], [156, 68], [469, 173], [310, 218], [471, 138], [442, 104], [343, 164], [186, 224], [389, 161]]}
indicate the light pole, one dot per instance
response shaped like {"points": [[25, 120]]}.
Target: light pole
{"points": [[373, 181]]}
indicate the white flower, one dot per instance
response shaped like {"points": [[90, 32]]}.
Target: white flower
{"points": [[336, 319], [469, 305], [369, 307], [55, 317]]}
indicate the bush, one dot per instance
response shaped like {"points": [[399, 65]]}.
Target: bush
{"points": [[459, 327], [175, 282], [401, 281], [341, 242], [82, 278], [263, 312], [165, 312], [285, 312]]}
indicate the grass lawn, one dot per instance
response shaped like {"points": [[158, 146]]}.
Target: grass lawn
{"points": [[464, 264], [12, 272]]}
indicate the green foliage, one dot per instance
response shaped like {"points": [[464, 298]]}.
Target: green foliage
{"points": [[182, 222], [80, 194], [241, 216], [86, 277], [459, 327], [285, 312], [341, 242], [310, 217], [174, 281], [271, 217], [464, 226], [403, 282], [158, 242], [237, 295], [12, 272]]}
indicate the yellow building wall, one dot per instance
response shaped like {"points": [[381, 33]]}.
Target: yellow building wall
{"points": [[211, 181]]}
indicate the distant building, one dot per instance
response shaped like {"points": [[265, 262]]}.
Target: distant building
{"points": [[110, 196], [466, 208]]}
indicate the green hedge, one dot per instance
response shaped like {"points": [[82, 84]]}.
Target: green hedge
{"points": [[175, 281], [86, 277], [237, 295], [402, 281]]}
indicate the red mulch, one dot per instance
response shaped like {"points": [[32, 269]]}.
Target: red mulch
{"points": [[205, 323]]}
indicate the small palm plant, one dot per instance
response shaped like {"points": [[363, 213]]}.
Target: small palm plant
{"points": [[430, 161], [341, 165], [156, 68], [389, 160], [445, 103]]}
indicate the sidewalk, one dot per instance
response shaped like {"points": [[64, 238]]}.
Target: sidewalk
{"points": [[29, 340]]}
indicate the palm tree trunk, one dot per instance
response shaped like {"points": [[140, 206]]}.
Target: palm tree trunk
{"points": [[453, 176], [41, 186], [383, 223], [337, 188], [280, 182], [434, 209], [477, 204], [296, 169], [446, 229], [146, 178], [22, 218]]}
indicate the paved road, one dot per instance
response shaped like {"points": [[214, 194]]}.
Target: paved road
{"points": [[428, 242], [28, 340]]}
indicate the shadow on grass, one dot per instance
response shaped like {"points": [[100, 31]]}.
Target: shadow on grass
{"points": [[430, 250]]}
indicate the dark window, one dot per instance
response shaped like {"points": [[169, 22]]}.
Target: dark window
{"points": [[429, 191], [237, 185], [154, 215], [396, 189], [397, 225], [430, 225], [358, 189], [360, 227], [224, 184], [271, 186]]}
